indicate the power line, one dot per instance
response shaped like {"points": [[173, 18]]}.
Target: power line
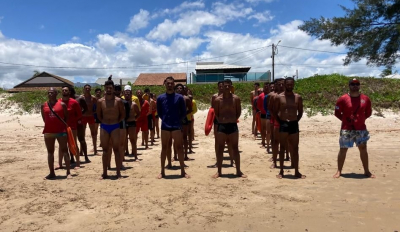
{"points": [[306, 49]]}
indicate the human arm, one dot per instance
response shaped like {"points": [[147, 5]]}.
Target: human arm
{"points": [[188, 103], [194, 107], [137, 111], [338, 109], [65, 110], [78, 111], [266, 98], [368, 108], [276, 107], [99, 110], [238, 107], [121, 110], [299, 108], [260, 103], [251, 97], [42, 111], [159, 107], [83, 105]]}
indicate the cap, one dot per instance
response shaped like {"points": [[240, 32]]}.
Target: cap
{"points": [[354, 80], [127, 87]]}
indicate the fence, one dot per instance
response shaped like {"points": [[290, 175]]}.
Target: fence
{"points": [[215, 77]]}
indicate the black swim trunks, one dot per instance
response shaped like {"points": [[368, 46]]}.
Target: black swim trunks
{"points": [[170, 129], [291, 127], [228, 128], [263, 116], [185, 122], [122, 125], [150, 121], [131, 124], [215, 121]]}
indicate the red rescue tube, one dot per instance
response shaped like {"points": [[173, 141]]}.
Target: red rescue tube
{"points": [[209, 121], [71, 142], [258, 121]]}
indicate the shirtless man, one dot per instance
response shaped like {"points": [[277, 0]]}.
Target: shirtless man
{"points": [[278, 89], [253, 94], [156, 120], [151, 117], [353, 109], [122, 124], [110, 112], [55, 129], [227, 111], [134, 114], [74, 114], [88, 117], [171, 110], [80, 129], [263, 116], [186, 123], [98, 95], [288, 110]]}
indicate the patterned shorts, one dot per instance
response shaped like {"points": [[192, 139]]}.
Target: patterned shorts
{"points": [[349, 137]]}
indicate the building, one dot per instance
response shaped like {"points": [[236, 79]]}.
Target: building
{"points": [[149, 79], [42, 81], [218, 71], [120, 81]]}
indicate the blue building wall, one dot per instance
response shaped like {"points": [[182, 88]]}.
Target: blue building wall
{"points": [[215, 77]]}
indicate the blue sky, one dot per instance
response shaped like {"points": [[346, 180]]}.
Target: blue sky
{"points": [[97, 38]]}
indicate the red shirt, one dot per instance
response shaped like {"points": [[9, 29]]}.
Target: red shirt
{"points": [[353, 111], [51, 123], [144, 111], [74, 112], [260, 103]]}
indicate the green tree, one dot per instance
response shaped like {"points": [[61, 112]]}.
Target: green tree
{"points": [[36, 72], [387, 71], [371, 30]]}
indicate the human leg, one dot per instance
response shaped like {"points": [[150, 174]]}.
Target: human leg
{"points": [[116, 145], [93, 133], [364, 160], [293, 148], [220, 141], [62, 142], [263, 131], [340, 161], [81, 138], [165, 143], [268, 134], [49, 142], [133, 140], [104, 139], [282, 147], [185, 130], [177, 137]]}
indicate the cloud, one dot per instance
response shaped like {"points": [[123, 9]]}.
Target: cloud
{"points": [[1, 35], [262, 17], [1, 18], [258, 1], [75, 39], [91, 31], [138, 21], [184, 6]]}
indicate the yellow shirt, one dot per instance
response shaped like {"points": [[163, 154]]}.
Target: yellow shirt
{"points": [[134, 99], [194, 110]]}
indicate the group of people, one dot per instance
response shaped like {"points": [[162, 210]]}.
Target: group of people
{"points": [[277, 111], [122, 117]]}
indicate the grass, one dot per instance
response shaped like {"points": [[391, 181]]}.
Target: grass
{"points": [[319, 93]]}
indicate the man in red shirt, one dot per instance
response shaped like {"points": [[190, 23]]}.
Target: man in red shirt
{"points": [[142, 122], [353, 109], [260, 107]]}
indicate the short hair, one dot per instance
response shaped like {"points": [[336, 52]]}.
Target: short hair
{"points": [[279, 79], [266, 83], [67, 86], [220, 82], [87, 85], [228, 81], [176, 86], [258, 84], [109, 81], [151, 95], [289, 79], [147, 90], [98, 89], [169, 78], [117, 87], [72, 91]]}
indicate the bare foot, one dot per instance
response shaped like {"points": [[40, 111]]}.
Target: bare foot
{"points": [[77, 167], [119, 176], [240, 174], [187, 176], [59, 167], [262, 146], [280, 175], [104, 176], [273, 166], [69, 176], [215, 176], [50, 177], [160, 176], [147, 148], [337, 174], [271, 159], [370, 175], [299, 175]]}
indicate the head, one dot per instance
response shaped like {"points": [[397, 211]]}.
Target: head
{"points": [[279, 85], [190, 97], [87, 88], [117, 90], [266, 87], [154, 96], [147, 91], [97, 92], [354, 85], [169, 83], [190, 92], [256, 86], [220, 86], [139, 94], [179, 89], [128, 92], [52, 94], [66, 90], [151, 96], [227, 86], [272, 87], [185, 89], [109, 86], [289, 84]]}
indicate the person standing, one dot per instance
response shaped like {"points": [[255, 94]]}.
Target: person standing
{"points": [[254, 94], [353, 109], [142, 123], [171, 109], [88, 117], [134, 114], [55, 129]]}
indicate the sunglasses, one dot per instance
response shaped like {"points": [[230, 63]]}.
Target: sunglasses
{"points": [[355, 84]]}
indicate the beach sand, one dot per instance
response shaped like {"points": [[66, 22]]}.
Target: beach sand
{"points": [[140, 202]]}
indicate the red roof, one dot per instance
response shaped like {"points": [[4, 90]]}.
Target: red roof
{"points": [[158, 78]]}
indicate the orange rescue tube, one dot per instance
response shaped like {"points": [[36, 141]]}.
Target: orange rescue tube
{"points": [[209, 121], [71, 142], [258, 121]]}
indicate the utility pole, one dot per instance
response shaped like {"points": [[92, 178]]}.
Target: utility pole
{"points": [[273, 63]]}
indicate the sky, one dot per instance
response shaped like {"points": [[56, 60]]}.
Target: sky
{"points": [[86, 40]]}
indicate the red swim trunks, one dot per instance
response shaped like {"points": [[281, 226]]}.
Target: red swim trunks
{"points": [[88, 120], [142, 125]]}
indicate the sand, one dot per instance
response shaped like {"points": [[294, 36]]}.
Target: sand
{"points": [[140, 202]]}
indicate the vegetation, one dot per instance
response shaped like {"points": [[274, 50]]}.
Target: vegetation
{"points": [[371, 30], [319, 93]]}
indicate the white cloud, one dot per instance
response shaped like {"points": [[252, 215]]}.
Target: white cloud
{"points": [[258, 1], [184, 6], [138, 21], [91, 31], [1, 18], [1, 35], [262, 17], [75, 39]]}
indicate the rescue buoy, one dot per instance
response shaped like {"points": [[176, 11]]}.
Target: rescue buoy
{"points": [[209, 121], [71, 142], [258, 121]]}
